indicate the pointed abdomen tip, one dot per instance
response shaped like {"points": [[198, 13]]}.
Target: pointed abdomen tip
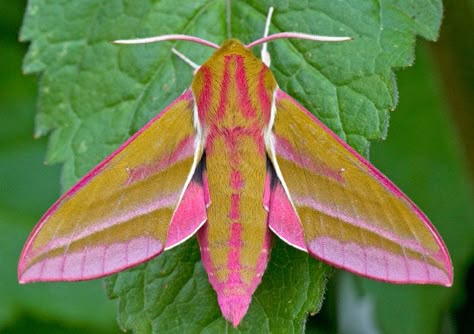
{"points": [[234, 308]]}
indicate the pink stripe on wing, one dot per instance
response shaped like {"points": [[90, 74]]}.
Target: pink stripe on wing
{"points": [[376, 263], [284, 149], [188, 217], [359, 223], [184, 150], [93, 262], [283, 220], [109, 222]]}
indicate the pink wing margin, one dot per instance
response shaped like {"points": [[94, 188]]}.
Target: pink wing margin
{"points": [[141, 199], [350, 214]]}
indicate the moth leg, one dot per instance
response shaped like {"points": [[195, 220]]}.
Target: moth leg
{"points": [[186, 60]]}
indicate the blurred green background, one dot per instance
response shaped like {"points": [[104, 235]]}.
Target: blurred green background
{"points": [[428, 153]]}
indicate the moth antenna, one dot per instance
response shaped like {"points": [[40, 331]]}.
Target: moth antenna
{"points": [[186, 59], [266, 59], [297, 35], [172, 37]]}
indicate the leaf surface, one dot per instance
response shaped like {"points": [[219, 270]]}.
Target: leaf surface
{"points": [[27, 188]]}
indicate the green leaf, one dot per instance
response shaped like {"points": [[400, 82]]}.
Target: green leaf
{"points": [[433, 172], [171, 294], [27, 188], [94, 95]]}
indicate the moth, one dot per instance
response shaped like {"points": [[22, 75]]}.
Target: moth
{"points": [[235, 160]]}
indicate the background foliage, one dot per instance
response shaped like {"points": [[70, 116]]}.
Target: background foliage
{"points": [[425, 154]]}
